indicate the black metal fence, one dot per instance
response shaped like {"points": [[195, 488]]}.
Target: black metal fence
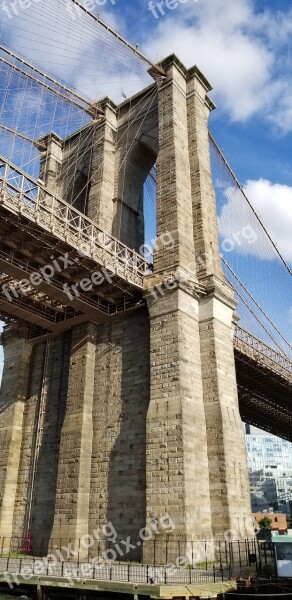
{"points": [[155, 552], [17, 569], [171, 561]]}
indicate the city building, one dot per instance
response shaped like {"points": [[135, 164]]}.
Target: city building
{"points": [[278, 520], [270, 471]]}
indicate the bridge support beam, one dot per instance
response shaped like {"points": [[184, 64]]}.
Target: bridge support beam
{"points": [[176, 451], [227, 463], [73, 483], [206, 238], [12, 398], [51, 162], [102, 175], [194, 471], [118, 456], [228, 475]]}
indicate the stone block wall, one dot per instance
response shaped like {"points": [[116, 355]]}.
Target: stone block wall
{"points": [[12, 415], [139, 416], [121, 398]]}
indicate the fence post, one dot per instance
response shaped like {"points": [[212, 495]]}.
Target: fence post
{"points": [[165, 575], [246, 552], [239, 553], [231, 557], [129, 571], [256, 554], [214, 574], [275, 561], [190, 573], [220, 557]]}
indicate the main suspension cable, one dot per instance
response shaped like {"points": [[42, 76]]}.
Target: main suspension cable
{"points": [[156, 68], [248, 201]]}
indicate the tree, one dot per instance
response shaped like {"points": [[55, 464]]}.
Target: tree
{"points": [[265, 523]]}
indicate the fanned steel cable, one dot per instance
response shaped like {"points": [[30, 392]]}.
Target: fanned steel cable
{"points": [[257, 305], [249, 203]]}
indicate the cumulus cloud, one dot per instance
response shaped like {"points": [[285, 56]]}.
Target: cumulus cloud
{"points": [[273, 204], [237, 224], [68, 44], [239, 50]]}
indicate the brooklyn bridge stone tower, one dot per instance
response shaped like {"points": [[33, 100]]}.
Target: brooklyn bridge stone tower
{"points": [[129, 417]]}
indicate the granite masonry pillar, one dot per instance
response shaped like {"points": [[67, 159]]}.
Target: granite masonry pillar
{"points": [[176, 451], [102, 175], [73, 481], [51, 162], [228, 474], [12, 398]]}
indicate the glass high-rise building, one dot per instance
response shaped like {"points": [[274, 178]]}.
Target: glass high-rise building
{"points": [[270, 470]]}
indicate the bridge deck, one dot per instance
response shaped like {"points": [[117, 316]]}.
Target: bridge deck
{"points": [[264, 379], [41, 233]]}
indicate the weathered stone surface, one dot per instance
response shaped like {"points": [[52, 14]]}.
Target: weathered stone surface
{"points": [[12, 406], [137, 418]]}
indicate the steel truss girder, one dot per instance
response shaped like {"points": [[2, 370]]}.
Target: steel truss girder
{"points": [[22, 195]]}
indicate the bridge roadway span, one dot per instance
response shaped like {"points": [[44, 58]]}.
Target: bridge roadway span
{"points": [[36, 225]]}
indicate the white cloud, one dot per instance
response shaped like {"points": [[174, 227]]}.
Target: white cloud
{"points": [[273, 204], [240, 52], [75, 50]]}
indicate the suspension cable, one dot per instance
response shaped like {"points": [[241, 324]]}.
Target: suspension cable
{"points": [[39, 145], [258, 306], [37, 70], [248, 201], [157, 69], [92, 109]]}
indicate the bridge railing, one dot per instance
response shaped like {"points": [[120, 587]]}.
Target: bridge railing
{"points": [[24, 195], [256, 349]]}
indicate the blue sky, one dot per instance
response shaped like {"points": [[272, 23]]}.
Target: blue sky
{"points": [[242, 46]]}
